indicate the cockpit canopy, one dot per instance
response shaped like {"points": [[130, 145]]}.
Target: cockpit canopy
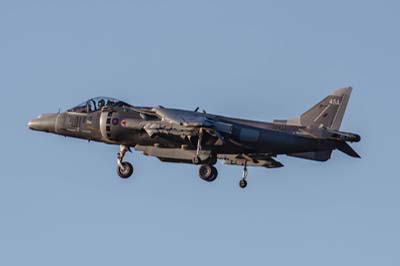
{"points": [[96, 104]]}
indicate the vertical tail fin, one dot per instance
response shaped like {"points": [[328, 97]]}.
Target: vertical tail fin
{"points": [[329, 112]]}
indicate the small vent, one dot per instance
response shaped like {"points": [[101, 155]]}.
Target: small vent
{"points": [[108, 125]]}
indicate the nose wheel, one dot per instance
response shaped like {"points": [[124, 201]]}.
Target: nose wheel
{"points": [[124, 169]]}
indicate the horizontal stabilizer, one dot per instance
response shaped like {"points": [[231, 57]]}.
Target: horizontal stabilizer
{"points": [[345, 148]]}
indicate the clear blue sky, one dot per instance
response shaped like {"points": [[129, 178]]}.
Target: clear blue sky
{"points": [[61, 202]]}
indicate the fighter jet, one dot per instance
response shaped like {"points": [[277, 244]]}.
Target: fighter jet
{"points": [[200, 138]]}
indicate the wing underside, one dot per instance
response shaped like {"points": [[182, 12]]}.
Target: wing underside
{"points": [[186, 155]]}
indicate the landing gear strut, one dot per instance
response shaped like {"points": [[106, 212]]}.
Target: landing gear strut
{"points": [[196, 159], [124, 169], [208, 173], [243, 181]]}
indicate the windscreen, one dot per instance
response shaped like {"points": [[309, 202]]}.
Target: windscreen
{"points": [[96, 104]]}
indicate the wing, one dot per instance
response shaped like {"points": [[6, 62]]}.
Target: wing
{"points": [[181, 123], [188, 124], [186, 156]]}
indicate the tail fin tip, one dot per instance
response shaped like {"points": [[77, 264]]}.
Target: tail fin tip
{"points": [[343, 91], [329, 112]]}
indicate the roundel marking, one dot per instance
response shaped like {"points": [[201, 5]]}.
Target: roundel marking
{"points": [[115, 121]]}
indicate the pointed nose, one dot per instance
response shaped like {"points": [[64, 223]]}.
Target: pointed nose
{"points": [[45, 122]]}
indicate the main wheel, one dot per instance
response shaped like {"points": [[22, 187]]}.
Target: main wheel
{"points": [[208, 173], [243, 183], [125, 171], [214, 175], [205, 172]]}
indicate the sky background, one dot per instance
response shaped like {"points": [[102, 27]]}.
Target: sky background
{"points": [[61, 202]]}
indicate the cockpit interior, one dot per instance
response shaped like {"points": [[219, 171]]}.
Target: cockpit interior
{"points": [[96, 104]]}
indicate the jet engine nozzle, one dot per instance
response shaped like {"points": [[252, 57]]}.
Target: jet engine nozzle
{"points": [[344, 136], [355, 138]]}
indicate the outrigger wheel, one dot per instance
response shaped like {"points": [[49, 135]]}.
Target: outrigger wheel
{"points": [[243, 183]]}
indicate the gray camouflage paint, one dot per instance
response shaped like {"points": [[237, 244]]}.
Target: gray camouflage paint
{"points": [[172, 134]]}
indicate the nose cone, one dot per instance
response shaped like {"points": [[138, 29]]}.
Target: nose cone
{"points": [[45, 122]]}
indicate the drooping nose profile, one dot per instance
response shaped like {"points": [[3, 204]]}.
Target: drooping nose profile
{"points": [[45, 122]]}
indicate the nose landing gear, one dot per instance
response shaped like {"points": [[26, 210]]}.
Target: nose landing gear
{"points": [[124, 169]]}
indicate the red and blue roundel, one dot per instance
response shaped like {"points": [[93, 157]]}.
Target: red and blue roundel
{"points": [[115, 121]]}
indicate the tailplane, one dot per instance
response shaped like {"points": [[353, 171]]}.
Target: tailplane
{"points": [[347, 149]]}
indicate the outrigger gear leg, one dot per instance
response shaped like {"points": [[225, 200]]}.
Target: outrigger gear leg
{"points": [[243, 181]]}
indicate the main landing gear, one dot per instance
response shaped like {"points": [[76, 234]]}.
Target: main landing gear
{"points": [[208, 172], [124, 169], [196, 159]]}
